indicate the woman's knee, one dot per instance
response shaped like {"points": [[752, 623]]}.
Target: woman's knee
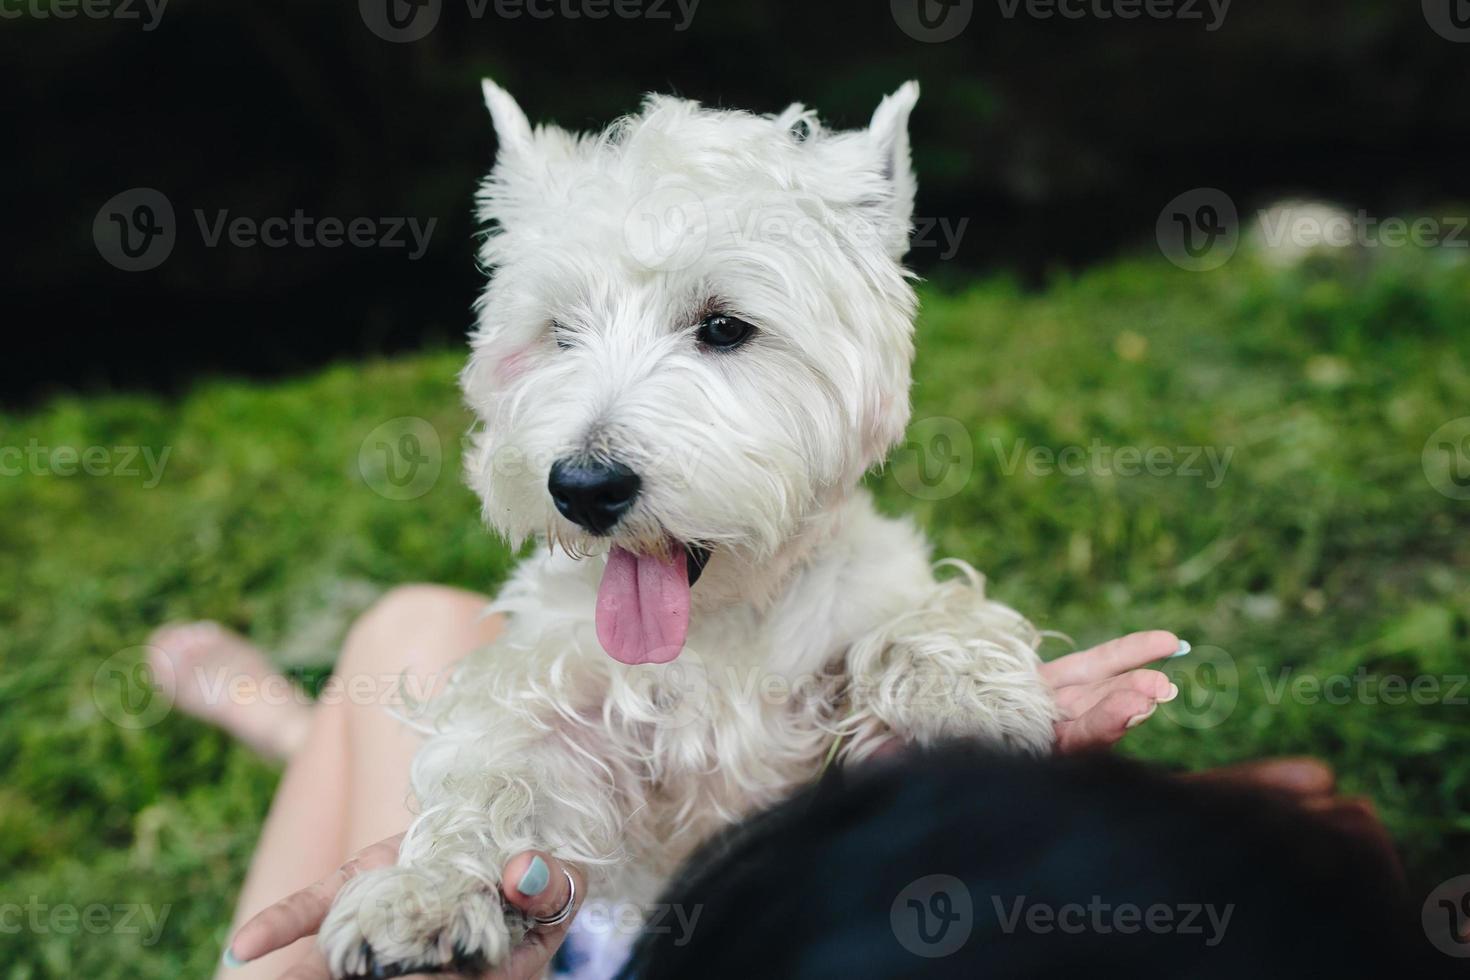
{"points": [[417, 628]]}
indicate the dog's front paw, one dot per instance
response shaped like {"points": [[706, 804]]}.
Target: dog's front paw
{"points": [[954, 665], [401, 920]]}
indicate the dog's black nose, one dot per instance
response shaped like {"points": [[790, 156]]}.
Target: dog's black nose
{"points": [[592, 494]]}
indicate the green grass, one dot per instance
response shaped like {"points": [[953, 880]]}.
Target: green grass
{"points": [[1324, 551]]}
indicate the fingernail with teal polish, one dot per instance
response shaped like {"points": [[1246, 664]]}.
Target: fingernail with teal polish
{"points": [[229, 959], [1184, 648], [536, 878]]}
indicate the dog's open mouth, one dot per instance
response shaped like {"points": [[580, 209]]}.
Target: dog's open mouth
{"points": [[643, 603]]}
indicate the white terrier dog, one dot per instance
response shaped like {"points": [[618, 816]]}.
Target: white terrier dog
{"points": [[697, 339]]}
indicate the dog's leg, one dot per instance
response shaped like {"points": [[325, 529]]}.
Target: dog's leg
{"points": [[957, 665], [486, 796]]}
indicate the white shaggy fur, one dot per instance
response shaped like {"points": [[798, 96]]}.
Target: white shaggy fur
{"points": [[817, 623]]}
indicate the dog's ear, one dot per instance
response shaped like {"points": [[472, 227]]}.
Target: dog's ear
{"points": [[511, 127], [888, 137]]}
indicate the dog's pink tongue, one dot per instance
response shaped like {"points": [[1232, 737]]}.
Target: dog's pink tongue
{"points": [[643, 607]]}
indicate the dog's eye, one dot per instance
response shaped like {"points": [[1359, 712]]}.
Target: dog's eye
{"points": [[559, 334], [724, 332]]}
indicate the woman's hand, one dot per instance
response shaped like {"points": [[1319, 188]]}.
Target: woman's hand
{"points": [[1102, 692], [1312, 784], [301, 914]]}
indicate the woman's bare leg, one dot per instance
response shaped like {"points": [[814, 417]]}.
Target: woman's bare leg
{"points": [[347, 786], [218, 676]]}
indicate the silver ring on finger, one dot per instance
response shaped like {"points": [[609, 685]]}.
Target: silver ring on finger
{"points": [[565, 913]]}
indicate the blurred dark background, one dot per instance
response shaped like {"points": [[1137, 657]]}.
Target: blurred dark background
{"points": [[1058, 139]]}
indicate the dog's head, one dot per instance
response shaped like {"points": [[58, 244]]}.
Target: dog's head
{"points": [[697, 336]]}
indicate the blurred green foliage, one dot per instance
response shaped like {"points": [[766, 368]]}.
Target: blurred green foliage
{"points": [[1323, 551]]}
